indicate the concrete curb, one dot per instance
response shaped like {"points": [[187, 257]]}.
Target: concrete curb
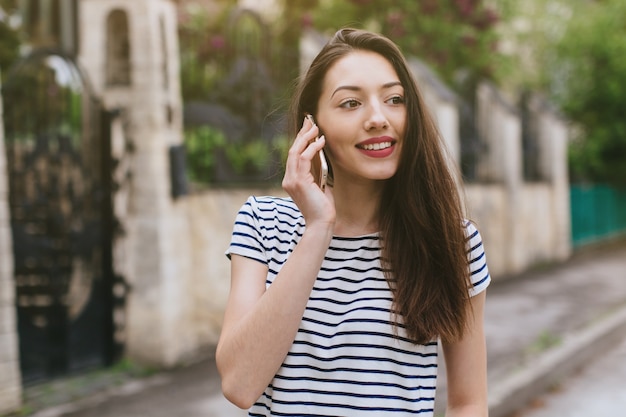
{"points": [[515, 391], [128, 388]]}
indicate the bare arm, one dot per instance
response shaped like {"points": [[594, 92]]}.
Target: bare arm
{"points": [[466, 367], [260, 325]]}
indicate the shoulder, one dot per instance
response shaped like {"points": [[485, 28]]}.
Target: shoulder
{"points": [[479, 271], [268, 212], [262, 224], [472, 234], [270, 207], [473, 241]]}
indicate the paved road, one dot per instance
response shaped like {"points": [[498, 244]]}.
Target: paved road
{"points": [[189, 392], [598, 390]]}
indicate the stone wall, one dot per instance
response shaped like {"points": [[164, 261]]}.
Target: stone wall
{"points": [[130, 52], [10, 379], [524, 223], [212, 214]]}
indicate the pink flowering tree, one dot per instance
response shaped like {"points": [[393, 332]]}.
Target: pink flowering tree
{"points": [[456, 37]]}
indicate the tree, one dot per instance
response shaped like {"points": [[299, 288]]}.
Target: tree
{"points": [[588, 80], [9, 37], [456, 37]]}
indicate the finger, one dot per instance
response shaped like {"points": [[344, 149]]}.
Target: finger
{"points": [[310, 152], [308, 133], [314, 146]]}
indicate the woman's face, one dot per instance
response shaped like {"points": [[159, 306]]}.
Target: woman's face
{"points": [[362, 113]]}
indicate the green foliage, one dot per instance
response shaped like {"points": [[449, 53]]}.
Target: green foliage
{"points": [[9, 47], [201, 145], [589, 83], [206, 145], [244, 66], [203, 50], [456, 37], [248, 156], [544, 341], [208, 49]]}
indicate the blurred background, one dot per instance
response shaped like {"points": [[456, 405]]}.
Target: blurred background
{"points": [[133, 130]]}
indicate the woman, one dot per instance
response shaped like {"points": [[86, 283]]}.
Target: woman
{"points": [[339, 297]]}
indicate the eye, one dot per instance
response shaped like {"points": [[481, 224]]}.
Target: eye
{"points": [[396, 100], [350, 103]]}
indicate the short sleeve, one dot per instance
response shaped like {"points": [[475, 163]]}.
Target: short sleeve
{"points": [[479, 272], [246, 239]]}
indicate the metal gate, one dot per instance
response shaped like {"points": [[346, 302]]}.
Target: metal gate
{"points": [[60, 207]]}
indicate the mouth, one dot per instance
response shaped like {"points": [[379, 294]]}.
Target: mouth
{"points": [[379, 147], [376, 146]]}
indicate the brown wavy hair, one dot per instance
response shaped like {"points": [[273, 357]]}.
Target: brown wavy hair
{"points": [[421, 215]]}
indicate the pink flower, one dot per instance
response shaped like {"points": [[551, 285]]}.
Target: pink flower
{"points": [[429, 7], [307, 20], [217, 42], [465, 7], [486, 19], [395, 18]]}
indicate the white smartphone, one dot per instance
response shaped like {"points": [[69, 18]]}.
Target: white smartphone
{"points": [[319, 165]]}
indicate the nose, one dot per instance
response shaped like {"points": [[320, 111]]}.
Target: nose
{"points": [[376, 118]]}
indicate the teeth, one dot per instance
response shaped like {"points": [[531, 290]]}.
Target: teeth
{"points": [[377, 146]]}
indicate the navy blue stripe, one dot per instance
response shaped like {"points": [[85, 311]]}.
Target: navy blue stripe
{"points": [[327, 324], [352, 357], [354, 333], [472, 236], [359, 383], [240, 245], [345, 303], [351, 281], [371, 346], [475, 247], [357, 291], [478, 258], [357, 270], [476, 284], [350, 394], [367, 371], [343, 313], [479, 269]]}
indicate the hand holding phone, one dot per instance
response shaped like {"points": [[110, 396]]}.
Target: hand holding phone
{"points": [[319, 165]]}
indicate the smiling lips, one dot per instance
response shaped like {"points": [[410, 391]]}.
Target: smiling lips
{"points": [[380, 147]]}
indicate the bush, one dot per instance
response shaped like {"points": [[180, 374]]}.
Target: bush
{"points": [[589, 83]]}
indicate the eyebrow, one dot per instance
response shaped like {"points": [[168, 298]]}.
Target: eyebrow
{"points": [[356, 88]]}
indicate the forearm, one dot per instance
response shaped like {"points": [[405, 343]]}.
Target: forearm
{"points": [[252, 347], [466, 367], [474, 410]]}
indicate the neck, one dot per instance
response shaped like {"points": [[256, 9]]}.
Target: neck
{"points": [[357, 208]]}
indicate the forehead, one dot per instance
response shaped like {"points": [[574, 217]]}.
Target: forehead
{"points": [[360, 68]]}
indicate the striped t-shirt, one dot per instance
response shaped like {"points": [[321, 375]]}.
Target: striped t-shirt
{"points": [[347, 359]]}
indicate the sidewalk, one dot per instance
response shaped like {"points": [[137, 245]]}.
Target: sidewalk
{"points": [[541, 326]]}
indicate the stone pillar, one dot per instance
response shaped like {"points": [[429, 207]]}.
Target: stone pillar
{"points": [[553, 141], [499, 123], [10, 378], [130, 52], [442, 103]]}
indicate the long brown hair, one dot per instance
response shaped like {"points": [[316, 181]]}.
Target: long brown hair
{"points": [[421, 215]]}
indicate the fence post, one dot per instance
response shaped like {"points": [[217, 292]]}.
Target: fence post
{"points": [[10, 377]]}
